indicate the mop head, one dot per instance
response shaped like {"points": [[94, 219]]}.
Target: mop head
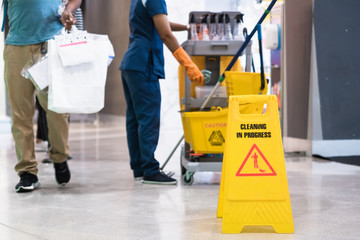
{"points": [[207, 75]]}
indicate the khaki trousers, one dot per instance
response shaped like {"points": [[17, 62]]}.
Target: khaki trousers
{"points": [[22, 103]]}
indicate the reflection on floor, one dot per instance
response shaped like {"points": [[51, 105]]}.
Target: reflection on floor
{"points": [[103, 202]]}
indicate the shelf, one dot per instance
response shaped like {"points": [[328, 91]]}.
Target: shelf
{"points": [[214, 48]]}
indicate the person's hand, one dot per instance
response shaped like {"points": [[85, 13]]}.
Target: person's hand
{"points": [[67, 19], [194, 73], [192, 70]]}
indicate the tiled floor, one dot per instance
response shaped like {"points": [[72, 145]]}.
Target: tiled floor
{"points": [[103, 202]]}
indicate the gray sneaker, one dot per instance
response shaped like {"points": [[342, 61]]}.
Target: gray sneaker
{"points": [[159, 178]]}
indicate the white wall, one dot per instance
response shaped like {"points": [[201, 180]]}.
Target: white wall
{"points": [[217, 6]]}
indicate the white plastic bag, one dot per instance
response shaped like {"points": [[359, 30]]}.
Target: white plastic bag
{"points": [[74, 47], [79, 88], [36, 70]]}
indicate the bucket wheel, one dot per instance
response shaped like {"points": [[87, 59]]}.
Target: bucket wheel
{"points": [[188, 178], [182, 168]]}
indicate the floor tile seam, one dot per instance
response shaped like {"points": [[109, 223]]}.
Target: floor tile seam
{"points": [[77, 129], [81, 138], [21, 231]]}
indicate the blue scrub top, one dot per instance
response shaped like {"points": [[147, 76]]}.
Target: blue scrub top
{"points": [[145, 45], [32, 21]]}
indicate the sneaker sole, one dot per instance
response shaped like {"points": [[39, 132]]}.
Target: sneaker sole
{"points": [[138, 179], [159, 183], [29, 188], [169, 174], [62, 184]]}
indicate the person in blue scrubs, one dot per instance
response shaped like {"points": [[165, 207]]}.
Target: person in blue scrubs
{"points": [[31, 24], [141, 69]]}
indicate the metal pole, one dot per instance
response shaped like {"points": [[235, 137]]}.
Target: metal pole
{"points": [[172, 153]]}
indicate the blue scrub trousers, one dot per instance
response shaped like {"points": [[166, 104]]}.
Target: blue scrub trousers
{"points": [[143, 98]]}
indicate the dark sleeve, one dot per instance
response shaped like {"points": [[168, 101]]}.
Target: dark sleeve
{"points": [[155, 7]]}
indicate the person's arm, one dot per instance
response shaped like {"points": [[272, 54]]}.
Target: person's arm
{"points": [[67, 18], [162, 26], [177, 27]]}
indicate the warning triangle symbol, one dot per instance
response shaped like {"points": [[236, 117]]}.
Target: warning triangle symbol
{"points": [[216, 138], [255, 164]]}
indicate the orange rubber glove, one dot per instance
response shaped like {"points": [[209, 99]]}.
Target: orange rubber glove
{"points": [[192, 70]]}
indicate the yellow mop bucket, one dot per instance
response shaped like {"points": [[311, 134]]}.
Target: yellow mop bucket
{"points": [[205, 131], [245, 83]]}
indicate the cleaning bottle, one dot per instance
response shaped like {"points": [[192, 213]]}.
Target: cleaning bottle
{"points": [[220, 28], [204, 32], [213, 26], [238, 27], [193, 30], [228, 32]]}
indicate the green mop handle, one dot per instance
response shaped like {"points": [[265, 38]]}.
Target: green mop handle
{"points": [[248, 38]]}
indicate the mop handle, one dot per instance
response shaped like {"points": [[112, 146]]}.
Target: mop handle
{"points": [[237, 55], [261, 58], [210, 96]]}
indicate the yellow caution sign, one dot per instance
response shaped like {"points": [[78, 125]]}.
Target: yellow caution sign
{"points": [[254, 189]]}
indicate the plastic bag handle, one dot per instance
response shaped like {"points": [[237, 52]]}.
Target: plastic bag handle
{"points": [[73, 29]]}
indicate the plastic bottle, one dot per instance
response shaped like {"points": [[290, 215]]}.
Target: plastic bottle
{"points": [[238, 28], [193, 30], [204, 32], [213, 27], [228, 32], [220, 28]]}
